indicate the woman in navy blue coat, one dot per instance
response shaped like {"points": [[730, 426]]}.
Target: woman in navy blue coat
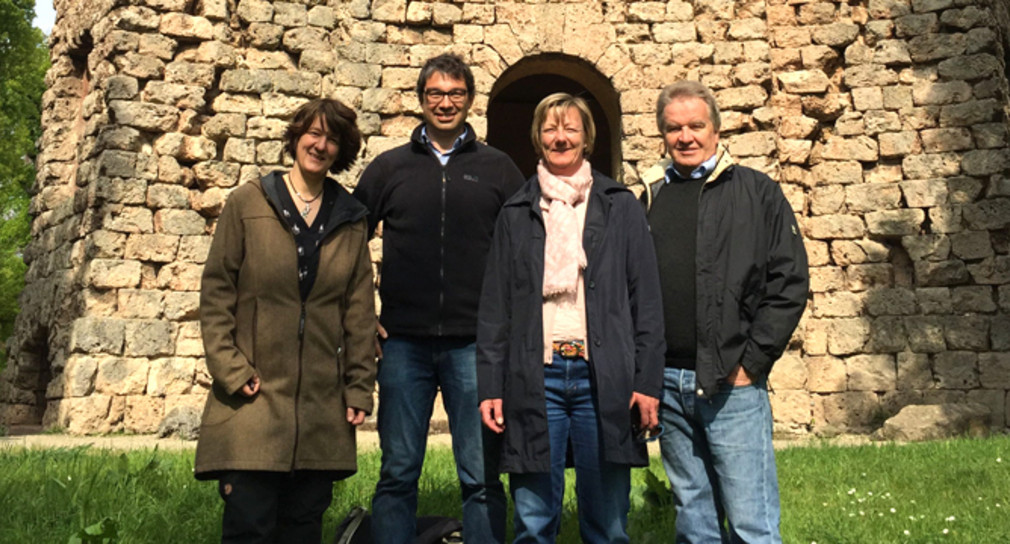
{"points": [[570, 334]]}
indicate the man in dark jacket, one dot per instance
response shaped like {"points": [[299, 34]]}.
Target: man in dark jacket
{"points": [[734, 288], [437, 197]]}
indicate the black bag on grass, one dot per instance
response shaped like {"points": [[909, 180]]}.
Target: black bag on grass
{"points": [[356, 528]]}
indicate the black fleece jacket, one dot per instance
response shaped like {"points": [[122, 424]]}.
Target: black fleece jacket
{"points": [[437, 227]]}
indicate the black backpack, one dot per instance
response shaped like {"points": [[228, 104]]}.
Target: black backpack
{"points": [[356, 528]]}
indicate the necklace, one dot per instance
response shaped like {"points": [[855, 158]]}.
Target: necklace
{"points": [[308, 202]]}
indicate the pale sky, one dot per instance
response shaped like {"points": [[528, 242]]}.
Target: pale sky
{"points": [[45, 15]]}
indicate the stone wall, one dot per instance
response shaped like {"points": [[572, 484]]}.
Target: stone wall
{"points": [[884, 121]]}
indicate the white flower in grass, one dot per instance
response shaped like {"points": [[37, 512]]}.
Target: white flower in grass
{"points": [[906, 532], [69, 478], [894, 511], [999, 459], [946, 531], [869, 493], [950, 518], [911, 518], [861, 513], [824, 504], [852, 491], [998, 505]]}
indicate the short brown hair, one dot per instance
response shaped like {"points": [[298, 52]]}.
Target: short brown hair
{"points": [[558, 104], [340, 123], [687, 89]]}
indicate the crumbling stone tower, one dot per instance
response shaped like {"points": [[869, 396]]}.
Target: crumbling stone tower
{"points": [[885, 121]]}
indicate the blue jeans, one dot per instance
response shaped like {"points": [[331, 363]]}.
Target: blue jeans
{"points": [[411, 372], [718, 455], [602, 488]]}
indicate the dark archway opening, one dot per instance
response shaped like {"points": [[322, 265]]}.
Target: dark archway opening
{"points": [[518, 91]]}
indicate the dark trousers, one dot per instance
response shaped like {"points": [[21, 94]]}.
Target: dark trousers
{"points": [[274, 507]]}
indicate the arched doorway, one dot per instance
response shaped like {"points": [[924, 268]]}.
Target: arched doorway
{"points": [[519, 89]]}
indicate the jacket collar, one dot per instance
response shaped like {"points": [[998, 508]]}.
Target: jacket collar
{"points": [[530, 194], [657, 172], [346, 208], [417, 141]]}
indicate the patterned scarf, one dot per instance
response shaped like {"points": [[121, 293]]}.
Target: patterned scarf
{"points": [[564, 256]]}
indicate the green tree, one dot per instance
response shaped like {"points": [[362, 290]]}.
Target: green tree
{"points": [[24, 59]]}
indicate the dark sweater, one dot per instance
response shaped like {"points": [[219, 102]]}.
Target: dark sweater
{"points": [[437, 227], [673, 219]]}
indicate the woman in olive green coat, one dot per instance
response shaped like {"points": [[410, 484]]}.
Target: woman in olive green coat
{"points": [[288, 321]]}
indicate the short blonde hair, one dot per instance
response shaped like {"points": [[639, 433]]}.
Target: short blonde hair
{"points": [[556, 105]]}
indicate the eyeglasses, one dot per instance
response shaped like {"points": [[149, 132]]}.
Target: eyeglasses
{"points": [[456, 96]]}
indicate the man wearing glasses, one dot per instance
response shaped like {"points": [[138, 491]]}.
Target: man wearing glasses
{"points": [[437, 197]]}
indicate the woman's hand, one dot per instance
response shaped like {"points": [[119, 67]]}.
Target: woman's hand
{"points": [[355, 417], [251, 387], [492, 416]]}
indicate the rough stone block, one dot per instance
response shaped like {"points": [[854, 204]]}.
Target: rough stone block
{"points": [[941, 273], [182, 306], [804, 81], [968, 114], [838, 304], [934, 300], [162, 195], [216, 174], [826, 374], [956, 370], [171, 376], [121, 376], [931, 165], [145, 116], [925, 334], [925, 193], [887, 335], [834, 226], [935, 422], [853, 411], [150, 247], [143, 413], [973, 299], [914, 371], [79, 376], [179, 222], [183, 26], [180, 276], [994, 370], [113, 273], [188, 341], [866, 197], [255, 11], [848, 335], [139, 303], [871, 373], [895, 222], [148, 338], [969, 332], [838, 172], [990, 214]]}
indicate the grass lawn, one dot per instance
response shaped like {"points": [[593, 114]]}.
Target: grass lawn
{"points": [[944, 492]]}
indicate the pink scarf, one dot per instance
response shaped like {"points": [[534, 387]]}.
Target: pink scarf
{"points": [[564, 256]]}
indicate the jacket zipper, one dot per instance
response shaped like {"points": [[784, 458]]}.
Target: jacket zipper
{"points": [[441, 254]]}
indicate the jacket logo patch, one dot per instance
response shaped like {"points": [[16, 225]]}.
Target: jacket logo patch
{"points": [[470, 177]]}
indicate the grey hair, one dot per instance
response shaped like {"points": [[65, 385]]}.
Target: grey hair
{"points": [[687, 89]]}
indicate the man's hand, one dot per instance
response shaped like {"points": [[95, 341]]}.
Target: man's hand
{"points": [[739, 377], [380, 334], [492, 416], [355, 417], [251, 387], [648, 410]]}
